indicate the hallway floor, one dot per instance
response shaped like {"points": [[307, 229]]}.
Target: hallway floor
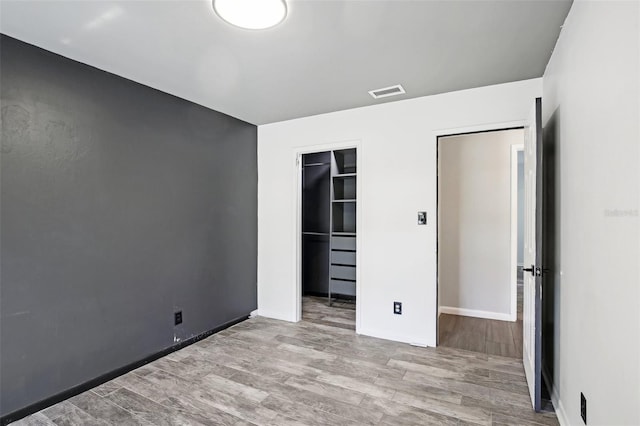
{"points": [[491, 337]]}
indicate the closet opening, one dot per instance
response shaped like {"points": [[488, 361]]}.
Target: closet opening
{"points": [[328, 237]]}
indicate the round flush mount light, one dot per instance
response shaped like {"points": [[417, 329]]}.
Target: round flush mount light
{"points": [[251, 14]]}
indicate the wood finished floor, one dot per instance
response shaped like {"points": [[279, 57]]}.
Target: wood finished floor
{"points": [[269, 372], [491, 337], [340, 314]]}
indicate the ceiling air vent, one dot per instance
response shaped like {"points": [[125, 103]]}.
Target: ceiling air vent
{"points": [[387, 91]]}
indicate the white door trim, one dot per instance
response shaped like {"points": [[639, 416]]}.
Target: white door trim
{"points": [[297, 154], [487, 127]]}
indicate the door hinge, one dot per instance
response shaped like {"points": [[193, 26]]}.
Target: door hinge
{"points": [[540, 292]]}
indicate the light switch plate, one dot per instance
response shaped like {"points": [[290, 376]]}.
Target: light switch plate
{"points": [[422, 218]]}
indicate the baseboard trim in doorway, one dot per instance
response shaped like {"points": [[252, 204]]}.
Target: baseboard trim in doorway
{"points": [[476, 313], [561, 415], [395, 337], [83, 387]]}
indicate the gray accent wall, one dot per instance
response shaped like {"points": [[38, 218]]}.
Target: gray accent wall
{"points": [[120, 204]]}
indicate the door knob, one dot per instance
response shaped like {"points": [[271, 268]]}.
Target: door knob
{"points": [[532, 270]]}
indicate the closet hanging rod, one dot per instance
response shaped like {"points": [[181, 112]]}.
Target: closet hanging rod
{"points": [[316, 164]]}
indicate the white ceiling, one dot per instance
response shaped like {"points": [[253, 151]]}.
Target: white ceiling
{"points": [[324, 57]]}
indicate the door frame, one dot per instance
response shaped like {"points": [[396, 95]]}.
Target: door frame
{"points": [[297, 163], [437, 134]]}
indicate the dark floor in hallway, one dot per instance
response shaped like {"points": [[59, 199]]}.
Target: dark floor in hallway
{"points": [[491, 337]]}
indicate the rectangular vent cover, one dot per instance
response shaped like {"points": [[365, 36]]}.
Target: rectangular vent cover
{"points": [[387, 91]]}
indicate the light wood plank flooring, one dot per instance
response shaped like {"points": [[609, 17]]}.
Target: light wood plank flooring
{"points": [[269, 372], [340, 314]]}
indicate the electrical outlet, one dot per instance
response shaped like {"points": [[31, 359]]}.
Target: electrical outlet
{"points": [[397, 308], [583, 408], [177, 317]]}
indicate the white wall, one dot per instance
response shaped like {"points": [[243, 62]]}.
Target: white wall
{"points": [[397, 173], [520, 208], [474, 270], [591, 100]]}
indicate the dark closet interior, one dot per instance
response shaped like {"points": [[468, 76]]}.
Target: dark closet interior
{"points": [[316, 223], [329, 224]]}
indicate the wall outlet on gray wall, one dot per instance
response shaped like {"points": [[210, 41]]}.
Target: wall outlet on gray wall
{"points": [[177, 317], [397, 308]]}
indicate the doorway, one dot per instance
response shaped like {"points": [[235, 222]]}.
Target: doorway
{"points": [[328, 237], [479, 241]]}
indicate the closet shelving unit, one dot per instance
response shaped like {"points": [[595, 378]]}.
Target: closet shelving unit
{"points": [[342, 270]]}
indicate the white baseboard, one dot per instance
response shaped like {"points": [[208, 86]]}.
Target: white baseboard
{"points": [[559, 408], [561, 414], [476, 313], [395, 338], [272, 315]]}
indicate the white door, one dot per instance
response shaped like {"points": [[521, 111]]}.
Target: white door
{"points": [[532, 307]]}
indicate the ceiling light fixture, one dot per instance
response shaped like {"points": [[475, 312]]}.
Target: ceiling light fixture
{"points": [[251, 14]]}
